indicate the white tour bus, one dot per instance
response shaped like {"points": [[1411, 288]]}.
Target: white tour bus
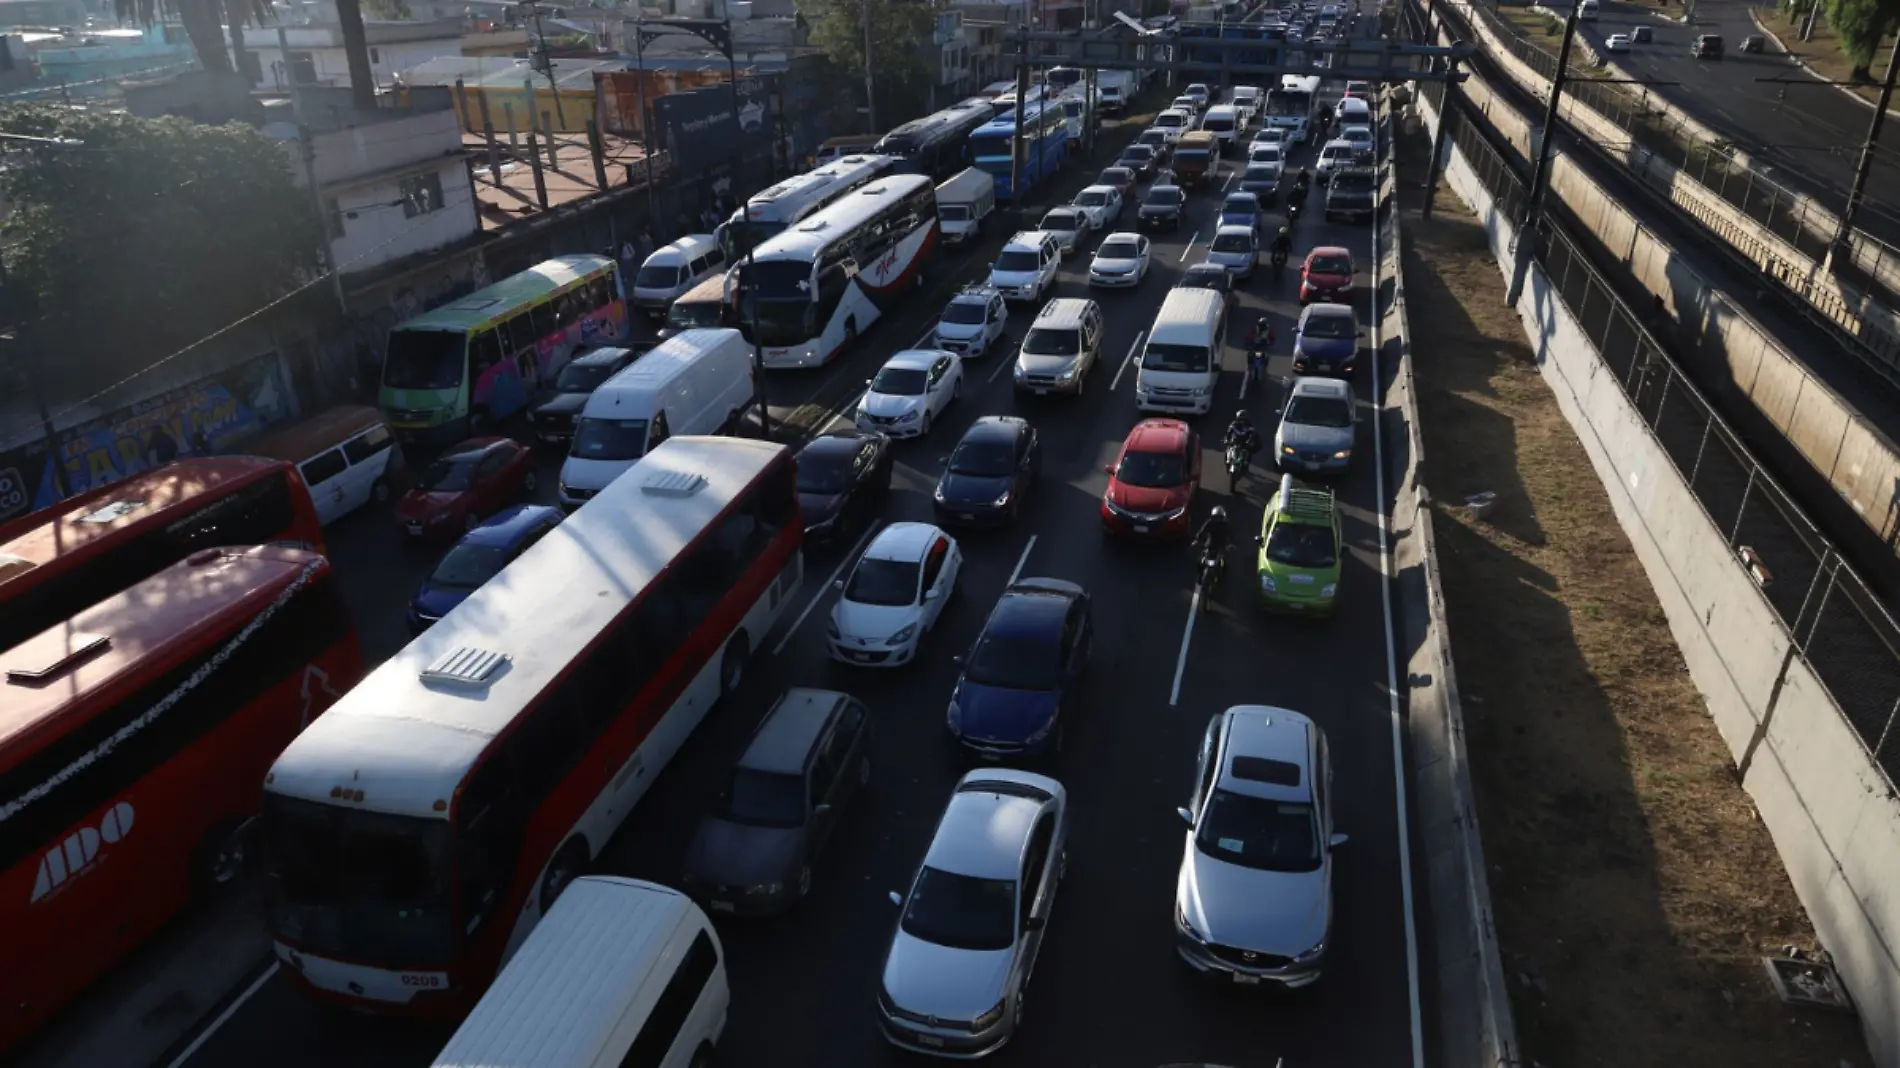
{"points": [[771, 210], [1292, 106], [415, 833], [807, 292]]}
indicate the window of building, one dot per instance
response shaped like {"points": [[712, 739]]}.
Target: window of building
{"points": [[421, 194]]}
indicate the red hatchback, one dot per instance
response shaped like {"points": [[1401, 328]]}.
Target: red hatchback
{"points": [[1327, 275], [1151, 486], [468, 482]]}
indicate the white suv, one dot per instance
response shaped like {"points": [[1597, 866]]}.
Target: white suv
{"points": [[972, 321], [1026, 268]]}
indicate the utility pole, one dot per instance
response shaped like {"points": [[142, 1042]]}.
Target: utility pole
{"points": [[1448, 114], [1807, 24], [1531, 226], [1016, 135], [349, 16], [646, 123], [751, 262], [870, 94], [546, 62], [1841, 249]]}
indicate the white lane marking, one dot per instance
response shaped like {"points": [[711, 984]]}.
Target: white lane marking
{"points": [[1227, 182], [1126, 360], [1020, 561], [1392, 663], [826, 588], [1189, 247], [842, 414], [225, 1016], [1187, 639], [1001, 366]]}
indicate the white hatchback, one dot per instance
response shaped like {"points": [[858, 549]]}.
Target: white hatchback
{"points": [[894, 595], [910, 391], [1101, 203]]}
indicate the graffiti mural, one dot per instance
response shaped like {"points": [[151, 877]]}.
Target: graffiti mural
{"points": [[214, 414]]}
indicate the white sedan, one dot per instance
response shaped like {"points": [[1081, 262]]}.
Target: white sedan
{"points": [[910, 392], [1270, 135], [1068, 225], [1617, 42], [1100, 204], [894, 595], [1359, 134], [1122, 260]]}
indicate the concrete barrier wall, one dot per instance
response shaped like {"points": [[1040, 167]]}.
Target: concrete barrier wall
{"points": [[1859, 462], [1833, 817]]}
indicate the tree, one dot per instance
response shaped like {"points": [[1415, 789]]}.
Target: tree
{"points": [[1861, 25], [204, 22], [146, 234], [898, 29]]}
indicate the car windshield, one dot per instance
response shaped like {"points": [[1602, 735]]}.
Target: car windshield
{"points": [[889, 583], [1260, 173], [1160, 356], [1319, 411], [1329, 327], [1018, 260], [424, 359], [609, 439], [365, 887], [1246, 205], [468, 566], [1139, 153], [1352, 183], [763, 799], [1198, 277], [1170, 120], [825, 473], [1015, 663], [1218, 124], [1118, 250], [961, 911], [582, 377], [1060, 221], [1256, 833], [1330, 265], [901, 382], [654, 276], [965, 312], [983, 459], [1092, 198], [1053, 341], [696, 314], [1152, 470], [1191, 155], [1163, 196], [1301, 545], [1116, 176], [953, 212], [1232, 243], [451, 475]]}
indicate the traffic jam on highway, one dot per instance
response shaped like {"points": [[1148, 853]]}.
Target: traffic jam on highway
{"points": [[630, 737]]}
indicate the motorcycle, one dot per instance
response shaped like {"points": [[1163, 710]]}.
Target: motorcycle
{"points": [[1293, 211], [1237, 461], [1279, 260], [1208, 574]]}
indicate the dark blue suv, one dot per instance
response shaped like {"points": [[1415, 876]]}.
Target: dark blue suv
{"points": [[478, 557], [1023, 673]]}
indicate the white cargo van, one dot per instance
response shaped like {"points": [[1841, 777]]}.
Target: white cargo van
{"points": [[1180, 363], [672, 270], [1224, 122], [695, 382], [964, 200], [619, 972]]}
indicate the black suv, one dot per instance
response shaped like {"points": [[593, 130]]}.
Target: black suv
{"points": [[1161, 207], [1707, 46], [1350, 193]]}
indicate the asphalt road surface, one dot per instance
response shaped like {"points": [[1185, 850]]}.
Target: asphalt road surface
{"points": [[1109, 989], [1810, 133]]}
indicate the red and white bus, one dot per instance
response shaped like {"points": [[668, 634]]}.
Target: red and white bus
{"points": [[61, 560], [414, 836], [134, 738]]}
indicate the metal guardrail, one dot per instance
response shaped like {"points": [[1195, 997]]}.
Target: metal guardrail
{"points": [[1835, 621]]}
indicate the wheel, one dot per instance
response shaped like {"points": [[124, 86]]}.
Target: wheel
{"points": [[530, 481], [956, 388], [562, 870], [925, 432], [218, 861], [702, 1058], [732, 665], [380, 492], [850, 331]]}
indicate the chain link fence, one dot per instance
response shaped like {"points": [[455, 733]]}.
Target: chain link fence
{"points": [[1836, 622]]}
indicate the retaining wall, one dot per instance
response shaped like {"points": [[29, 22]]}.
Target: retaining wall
{"points": [[1833, 817]]}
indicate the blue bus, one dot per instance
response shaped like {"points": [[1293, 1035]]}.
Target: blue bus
{"points": [[937, 145], [1045, 145]]}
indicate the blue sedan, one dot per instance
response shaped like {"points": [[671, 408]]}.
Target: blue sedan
{"points": [[478, 557], [1023, 673]]}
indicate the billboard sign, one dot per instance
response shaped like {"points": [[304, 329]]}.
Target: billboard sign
{"points": [[700, 128]]}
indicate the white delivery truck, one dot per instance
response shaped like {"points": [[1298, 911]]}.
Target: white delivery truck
{"points": [[964, 200], [1114, 88]]}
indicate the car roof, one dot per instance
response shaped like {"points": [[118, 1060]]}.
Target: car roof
{"points": [[473, 447], [784, 739], [600, 357], [1157, 435], [1027, 239], [1327, 310], [996, 428], [1159, 188], [1234, 228], [978, 294], [1257, 734], [902, 541], [1063, 311], [915, 359], [1118, 235], [1312, 386], [1097, 188], [1063, 209], [1035, 609], [1206, 268], [983, 834], [844, 442], [1329, 250], [510, 525]]}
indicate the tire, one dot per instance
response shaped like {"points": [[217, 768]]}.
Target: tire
{"points": [[850, 331], [925, 432], [218, 860], [732, 664], [562, 870], [702, 1058], [530, 481]]}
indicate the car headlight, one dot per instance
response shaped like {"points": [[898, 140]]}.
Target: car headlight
{"points": [[954, 718], [1267, 584], [1343, 454], [1170, 516], [1286, 450], [901, 636], [1181, 923], [1069, 375], [560, 486], [1311, 955], [1041, 734], [1329, 589], [831, 629], [937, 494], [768, 889], [1002, 499], [1201, 391], [987, 1020], [907, 416], [1021, 371]]}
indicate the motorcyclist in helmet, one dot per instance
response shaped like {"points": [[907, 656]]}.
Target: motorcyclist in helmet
{"points": [[1214, 537], [1242, 432], [1282, 245]]}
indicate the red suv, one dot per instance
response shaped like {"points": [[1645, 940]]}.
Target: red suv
{"points": [[1327, 275], [1151, 486]]}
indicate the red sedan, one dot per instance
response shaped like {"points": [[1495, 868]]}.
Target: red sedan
{"points": [[468, 482], [1151, 486], [1327, 275]]}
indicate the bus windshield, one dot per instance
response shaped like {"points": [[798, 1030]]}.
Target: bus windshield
{"points": [[738, 237], [424, 359], [364, 887], [1289, 105], [776, 298]]}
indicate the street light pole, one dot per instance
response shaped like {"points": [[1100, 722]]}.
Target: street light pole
{"points": [[750, 275], [1857, 192], [870, 95], [1532, 223]]}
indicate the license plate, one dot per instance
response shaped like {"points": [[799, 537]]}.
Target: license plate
{"points": [[860, 657], [415, 528], [1141, 528], [1246, 980], [1042, 392], [966, 516], [930, 1040], [721, 906]]}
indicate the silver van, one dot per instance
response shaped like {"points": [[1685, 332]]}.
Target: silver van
{"points": [[673, 269]]}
